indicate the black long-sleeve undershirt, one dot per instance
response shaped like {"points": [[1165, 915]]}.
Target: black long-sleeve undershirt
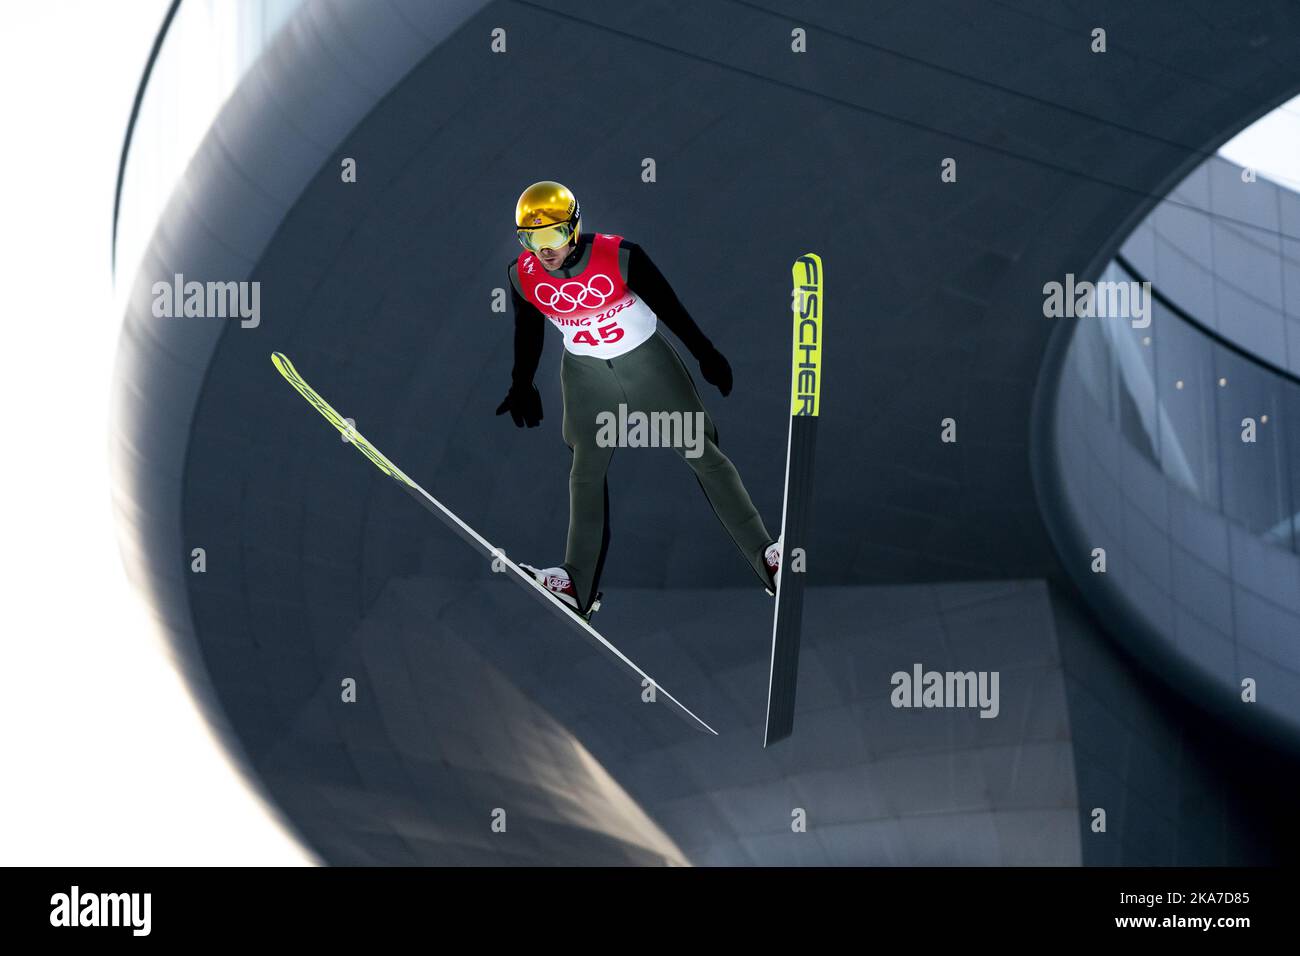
{"points": [[643, 279], [530, 336]]}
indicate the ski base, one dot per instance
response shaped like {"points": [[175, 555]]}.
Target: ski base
{"points": [[801, 446]]}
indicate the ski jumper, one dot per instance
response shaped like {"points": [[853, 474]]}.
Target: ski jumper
{"points": [[607, 300]]}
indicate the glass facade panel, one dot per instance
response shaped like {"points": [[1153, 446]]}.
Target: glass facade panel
{"points": [[1220, 424]]}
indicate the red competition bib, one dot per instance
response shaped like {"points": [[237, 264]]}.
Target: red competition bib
{"points": [[596, 312]]}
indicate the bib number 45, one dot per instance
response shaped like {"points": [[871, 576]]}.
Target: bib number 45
{"points": [[608, 334]]}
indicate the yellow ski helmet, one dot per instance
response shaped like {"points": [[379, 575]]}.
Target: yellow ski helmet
{"points": [[547, 216]]}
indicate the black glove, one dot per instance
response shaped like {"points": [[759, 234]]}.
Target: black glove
{"points": [[524, 403], [716, 371]]}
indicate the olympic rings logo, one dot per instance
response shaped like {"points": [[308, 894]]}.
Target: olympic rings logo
{"points": [[574, 294]]}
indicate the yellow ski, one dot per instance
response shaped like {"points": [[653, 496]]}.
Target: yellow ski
{"points": [[476, 540]]}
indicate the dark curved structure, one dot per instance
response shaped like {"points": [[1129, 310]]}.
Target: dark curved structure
{"points": [[469, 701]]}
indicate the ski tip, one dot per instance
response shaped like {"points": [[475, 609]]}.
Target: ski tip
{"points": [[282, 363]]}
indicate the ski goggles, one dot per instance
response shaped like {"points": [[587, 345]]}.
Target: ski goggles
{"points": [[546, 237]]}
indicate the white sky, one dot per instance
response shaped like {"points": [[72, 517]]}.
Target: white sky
{"points": [[105, 759], [1271, 146]]}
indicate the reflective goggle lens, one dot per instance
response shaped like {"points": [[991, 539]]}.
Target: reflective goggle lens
{"points": [[546, 237]]}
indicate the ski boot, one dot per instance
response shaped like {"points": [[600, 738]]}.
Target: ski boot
{"points": [[557, 582], [772, 560]]}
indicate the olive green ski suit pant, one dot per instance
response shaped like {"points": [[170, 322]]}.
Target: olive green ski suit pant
{"points": [[650, 378]]}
